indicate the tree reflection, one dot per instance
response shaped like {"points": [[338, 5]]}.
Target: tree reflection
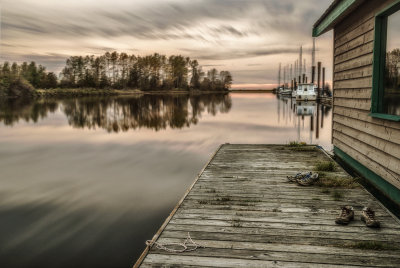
{"points": [[117, 114], [13, 110]]}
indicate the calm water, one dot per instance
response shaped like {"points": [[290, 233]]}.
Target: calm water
{"points": [[84, 182]]}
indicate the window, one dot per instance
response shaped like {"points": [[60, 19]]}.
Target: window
{"points": [[386, 70]]}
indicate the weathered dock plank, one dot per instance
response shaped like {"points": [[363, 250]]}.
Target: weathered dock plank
{"points": [[244, 212]]}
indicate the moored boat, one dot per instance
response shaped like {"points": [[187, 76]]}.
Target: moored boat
{"points": [[305, 107], [285, 91], [306, 92]]}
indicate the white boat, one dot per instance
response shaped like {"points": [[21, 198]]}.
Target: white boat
{"points": [[306, 92], [285, 91], [305, 107], [294, 94]]}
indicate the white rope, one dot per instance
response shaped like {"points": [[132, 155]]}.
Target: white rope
{"points": [[187, 245]]}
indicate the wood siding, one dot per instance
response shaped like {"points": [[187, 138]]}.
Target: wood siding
{"points": [[375, 143]]}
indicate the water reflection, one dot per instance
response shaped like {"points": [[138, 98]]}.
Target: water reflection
{"points": [[302, 111], [121, 113], [74, 195], [391, 79], [14, 110], [392, 104]]}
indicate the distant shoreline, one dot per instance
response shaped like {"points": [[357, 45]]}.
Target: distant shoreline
{"points": [[80, 92], [84, 92], [127, 92]]}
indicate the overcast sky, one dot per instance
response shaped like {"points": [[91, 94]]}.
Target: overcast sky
{"points": [[247, 37]]}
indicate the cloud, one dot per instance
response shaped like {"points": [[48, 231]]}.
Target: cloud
{"points": [[49, 31], [158, 19], [239, 53], [52, 61]]}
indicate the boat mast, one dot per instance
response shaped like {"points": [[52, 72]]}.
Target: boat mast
{"points": [[291, 73], [284, 77], [279, 76], [313, 53], [301, 61]]}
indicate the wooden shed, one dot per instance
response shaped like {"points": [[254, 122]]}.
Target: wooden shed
{"points": [[366, 84]]}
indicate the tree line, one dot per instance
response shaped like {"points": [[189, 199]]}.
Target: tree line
{"points": [[151, 72], [114, 70], [21, 80]]}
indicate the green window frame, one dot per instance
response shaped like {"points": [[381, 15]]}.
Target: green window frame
{"points": [[380, 42]]}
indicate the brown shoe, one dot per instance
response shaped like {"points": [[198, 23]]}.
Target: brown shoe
{"points": [[346, 215], [368, 216]]}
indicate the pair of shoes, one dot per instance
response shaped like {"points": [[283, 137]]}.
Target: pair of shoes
{"points": [[295, 177], [308, 179], [367, 216], [304, 179]]}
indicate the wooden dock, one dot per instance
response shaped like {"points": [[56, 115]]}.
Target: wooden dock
{"points": [[244, 212]]}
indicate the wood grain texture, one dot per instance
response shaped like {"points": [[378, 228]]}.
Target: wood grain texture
{"points": [[363, 116], [360, 104], [382, 132], [364, 48], [355, 132], [387, 161], [357, 22], [361, 72], [245, 214], [364, 160], [365, 82], [356, 93], [365, 60]]}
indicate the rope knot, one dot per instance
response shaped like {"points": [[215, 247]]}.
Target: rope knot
{"points": [[187, 245]]}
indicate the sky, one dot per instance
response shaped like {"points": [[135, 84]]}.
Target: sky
{"points": [[249, 38]]}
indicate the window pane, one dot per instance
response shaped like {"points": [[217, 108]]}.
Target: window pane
{"points": [[391, 101]]}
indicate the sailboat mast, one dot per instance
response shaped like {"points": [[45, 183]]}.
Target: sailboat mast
{"points": [[284, 76], [301, 61], [279, 75], [313, 53]]}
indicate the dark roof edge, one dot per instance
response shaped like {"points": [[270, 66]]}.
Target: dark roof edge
{"points": [[334, 14], [323, 16]]}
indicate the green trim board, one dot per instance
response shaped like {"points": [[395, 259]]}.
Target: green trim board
{"points": [[385, 187], [325, 24], [386, 116], [390, 9], [379, 57]]}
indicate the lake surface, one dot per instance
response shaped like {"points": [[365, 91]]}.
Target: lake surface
{"points": [[84, 182]]}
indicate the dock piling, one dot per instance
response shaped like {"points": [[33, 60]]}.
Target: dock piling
{"points": [[323, 81], [319, 79], [313, 74]]}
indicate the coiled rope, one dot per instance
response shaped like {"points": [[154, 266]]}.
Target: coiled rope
{"points": [[186, 246]]}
